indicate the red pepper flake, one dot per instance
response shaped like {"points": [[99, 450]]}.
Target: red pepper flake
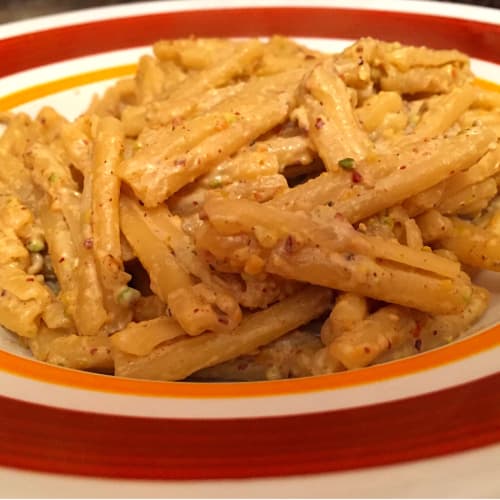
{"points": [[3, 293], [402, 167], [367, 350], [29, 280], [61, 260], [93, 351], [356, 177], [223, 320], [176, 122], [180, 162], [319, 123], [196, 309], [290, 244], [242, 366], [88, 243], [416, 331], [418, 344]]}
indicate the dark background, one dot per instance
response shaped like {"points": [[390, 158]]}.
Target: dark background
{"points": [[12, 10]]}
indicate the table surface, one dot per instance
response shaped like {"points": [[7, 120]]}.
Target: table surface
{"points": [[12, 10]]}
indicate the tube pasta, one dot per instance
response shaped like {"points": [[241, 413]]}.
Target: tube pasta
{"points": [[209, 140], [433, 225], [81, 353], [333, 126], [460, 203], [444, 111], [22, 301], [329, 187], [473, 245], [374, 110], [105, 243], [200, 308], [141, 338], [380, 281], [418, 80], [177, 360], [349, 309], [165, 272], [90, 315], [63, 255], [162, 112], [253, 210], [239, 63], [360, 345], [392, 332], [233, 216], [293, 355], [457, 154]]}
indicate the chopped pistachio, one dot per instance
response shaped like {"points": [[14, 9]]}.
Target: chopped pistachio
{"points": [[388, 221], [230, 117], [127, 296], [346, 163], [215, 183], [35, 245]]}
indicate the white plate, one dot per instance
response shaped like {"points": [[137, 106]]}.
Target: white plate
{"points": [[373, 432]]}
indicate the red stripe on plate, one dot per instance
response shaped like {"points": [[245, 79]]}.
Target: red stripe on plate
{"points": [[71, 442], [35, 49]]}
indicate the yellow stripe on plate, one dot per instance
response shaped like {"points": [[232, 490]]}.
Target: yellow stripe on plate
{"points": [[44, 89]]}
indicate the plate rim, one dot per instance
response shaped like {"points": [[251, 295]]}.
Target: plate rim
{"points": [[79, 16], [89, 416]]}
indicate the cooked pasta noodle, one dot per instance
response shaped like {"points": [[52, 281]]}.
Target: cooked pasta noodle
{"points": [[247, 210]]}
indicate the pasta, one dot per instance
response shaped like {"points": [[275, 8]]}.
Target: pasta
{"points": [[251, 210]]}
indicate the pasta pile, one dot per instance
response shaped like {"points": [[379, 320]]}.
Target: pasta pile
{"points": [[248, 210]]}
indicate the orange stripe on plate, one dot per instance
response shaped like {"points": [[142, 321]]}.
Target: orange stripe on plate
{"points": [[61, 376], [487, 85], [102, 383], [36, 92]]}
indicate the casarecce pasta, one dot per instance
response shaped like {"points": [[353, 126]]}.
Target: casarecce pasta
{"points": [[246, 210]]}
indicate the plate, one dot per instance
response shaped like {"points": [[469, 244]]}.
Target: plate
{"points": [[425, 426]]}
